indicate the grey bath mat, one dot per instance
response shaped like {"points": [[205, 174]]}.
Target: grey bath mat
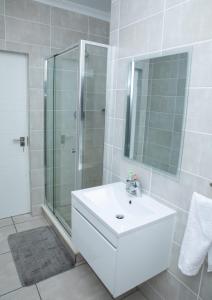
{"points": [[38, 254]]}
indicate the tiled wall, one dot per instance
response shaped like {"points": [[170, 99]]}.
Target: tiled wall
{"points": [[40, 30], [144, 27]]}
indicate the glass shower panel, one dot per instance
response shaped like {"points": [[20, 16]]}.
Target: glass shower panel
{"points": [[65, 132], [75, 92], [94, 102], [49, 98]]}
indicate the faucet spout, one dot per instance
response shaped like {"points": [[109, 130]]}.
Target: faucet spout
{"points": [[133, 186]]}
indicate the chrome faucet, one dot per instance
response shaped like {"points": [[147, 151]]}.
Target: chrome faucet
{"points": [[133, 185]]}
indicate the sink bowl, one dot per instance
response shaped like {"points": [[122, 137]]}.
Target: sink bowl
{"points": [[125, 239], [109, 201]]}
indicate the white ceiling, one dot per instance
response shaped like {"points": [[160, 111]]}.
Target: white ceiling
{"points": [[104, 5]]}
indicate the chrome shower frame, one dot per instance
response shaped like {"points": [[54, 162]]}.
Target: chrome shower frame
{"points": [[80, 104]]}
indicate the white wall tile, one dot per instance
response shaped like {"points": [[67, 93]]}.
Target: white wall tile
{"points": [[36, 120], [36, 78], [137, 38], [37, 195], [170, 3], [114, 21], [205, 165], [127, 40], [120, 105], [114, 36], [199, 110], [134, 10], [37, 178], [37, 159], [191, 158], [201, 75], [118, 133], [36, 140], [123, 68], [188, 23], [36, 98], [108, 157], [145, 30], [179, 190]]}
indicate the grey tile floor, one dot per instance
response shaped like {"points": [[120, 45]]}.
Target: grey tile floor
{"points": [[79, 283]]}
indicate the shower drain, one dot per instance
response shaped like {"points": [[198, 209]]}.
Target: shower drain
{"points": [[119, 216]]}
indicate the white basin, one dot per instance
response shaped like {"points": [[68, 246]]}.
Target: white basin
{"points": [[108, 201], [122, 252]]}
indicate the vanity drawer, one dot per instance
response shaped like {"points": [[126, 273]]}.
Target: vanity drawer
{"points": [[95, 248]]}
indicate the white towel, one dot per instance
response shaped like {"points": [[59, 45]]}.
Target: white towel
{"points": [[198, 235]]}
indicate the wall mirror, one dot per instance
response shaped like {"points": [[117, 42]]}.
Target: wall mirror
{"points": [[156, 107]]}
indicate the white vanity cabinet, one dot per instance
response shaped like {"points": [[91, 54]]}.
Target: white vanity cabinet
{"points": [[123, 258]]}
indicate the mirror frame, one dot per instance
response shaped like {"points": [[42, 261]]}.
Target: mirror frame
{"points": [[129, 103]]}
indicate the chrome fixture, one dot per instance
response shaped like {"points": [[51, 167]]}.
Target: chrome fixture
{"points": [[21, 141], [133, 186]]}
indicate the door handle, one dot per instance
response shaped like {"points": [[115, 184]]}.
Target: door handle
{"points": [[21, 141]]}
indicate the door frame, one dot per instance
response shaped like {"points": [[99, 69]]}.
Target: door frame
{"points": [[28, 157]]}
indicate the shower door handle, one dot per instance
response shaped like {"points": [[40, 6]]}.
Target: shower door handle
{"points": [[73, 150]]}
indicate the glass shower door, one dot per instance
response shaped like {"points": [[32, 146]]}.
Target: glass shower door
{"points": [[93, 118], [74, 124], [66, 89]]}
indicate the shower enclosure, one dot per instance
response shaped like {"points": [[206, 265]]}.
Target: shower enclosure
{"points": [[75, 99]]}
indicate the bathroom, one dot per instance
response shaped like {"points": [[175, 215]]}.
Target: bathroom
{"points": [[84, 149]]}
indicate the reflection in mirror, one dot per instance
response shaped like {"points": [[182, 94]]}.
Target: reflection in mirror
{"points": [[155, 111]]}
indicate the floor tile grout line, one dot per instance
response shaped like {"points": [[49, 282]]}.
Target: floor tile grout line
{"points": [[14, 225], [182, 283], [6, 225], [26, 221], [130, 293], [155, 291], [11, 292], [38, 291]]}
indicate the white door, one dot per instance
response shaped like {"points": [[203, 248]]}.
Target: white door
{"points": [[14, 162]]}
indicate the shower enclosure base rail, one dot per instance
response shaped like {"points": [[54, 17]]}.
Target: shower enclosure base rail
{"points": [[62, 233]]}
